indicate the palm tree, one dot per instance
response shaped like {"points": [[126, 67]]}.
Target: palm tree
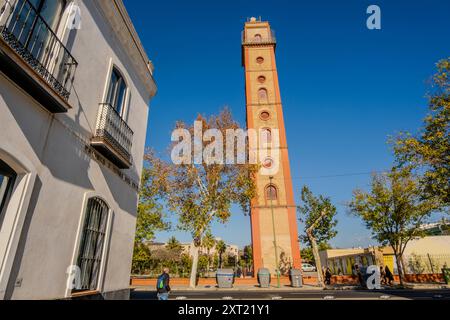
{"points": [[208, 242], [221, 247]]}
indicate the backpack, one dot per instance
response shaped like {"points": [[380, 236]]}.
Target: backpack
{"points": [[160, 282]]}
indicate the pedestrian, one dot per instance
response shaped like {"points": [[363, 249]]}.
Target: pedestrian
{"points": [[328, 276], [383, 276], [162, 285], [389, 275], [359, 275], [354, 271], [239, 272]]}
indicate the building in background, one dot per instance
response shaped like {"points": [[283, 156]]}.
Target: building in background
{"points": [[426, 255], [273, 212], [231, 250], [73, 117], [438, 228]]}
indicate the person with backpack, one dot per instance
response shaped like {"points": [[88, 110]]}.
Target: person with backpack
{"points": [[162, 285]]}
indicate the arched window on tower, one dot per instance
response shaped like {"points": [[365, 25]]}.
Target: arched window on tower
{"points": [[262, 95], [258, 38], [271, 192], [266, 135]]}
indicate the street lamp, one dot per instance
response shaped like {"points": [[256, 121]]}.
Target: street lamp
{"points": [[274, 236]]}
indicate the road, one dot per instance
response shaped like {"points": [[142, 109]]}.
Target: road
{"points": [[434, 294]]}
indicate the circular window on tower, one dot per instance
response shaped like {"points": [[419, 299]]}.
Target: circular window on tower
{"points": [[260, 60], [261, 79], [268, 163], [265, 115]]}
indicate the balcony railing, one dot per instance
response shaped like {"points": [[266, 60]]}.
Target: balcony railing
{"points": [[29, 35], [113, 137], [270, 39]]}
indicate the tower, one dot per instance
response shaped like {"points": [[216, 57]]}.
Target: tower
{"points": [[273, 212]]}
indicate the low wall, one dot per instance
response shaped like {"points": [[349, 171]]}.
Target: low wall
{"points": [[151, 282], [142, 281], [413, 278]]}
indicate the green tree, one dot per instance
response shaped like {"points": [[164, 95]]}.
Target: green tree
{"points": [[221, 247], [174, 249], [208, 242], [186, 264], [307, 253], [248, 256], [150, 214], [318, 215], [394, 210], [141, 259], [203, 192], [174, 245], [429, 150], [232, 261], [203, 263]]}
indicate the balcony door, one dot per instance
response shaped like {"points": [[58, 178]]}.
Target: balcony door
{"points": [[7, 177], [117, 91], [34, 23]]}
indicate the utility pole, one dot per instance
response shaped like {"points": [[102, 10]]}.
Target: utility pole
{"points": [[274, 237]]}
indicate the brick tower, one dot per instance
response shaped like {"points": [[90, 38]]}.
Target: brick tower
{"points": [[273, 213]]}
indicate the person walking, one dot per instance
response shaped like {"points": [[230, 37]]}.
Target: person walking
{"points": [[383, 276], [328, 276], [359, 275], [389, 275], [162, 285], [239, 272]]}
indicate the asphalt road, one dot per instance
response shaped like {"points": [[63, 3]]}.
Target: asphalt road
{"points": [[438, 294]]}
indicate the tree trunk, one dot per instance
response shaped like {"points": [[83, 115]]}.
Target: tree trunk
{"points": [[208, 266], [403, 265], [193, 280], [315, 251], [398, 260]]}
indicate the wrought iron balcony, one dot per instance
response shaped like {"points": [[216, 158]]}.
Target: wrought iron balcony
{"points": [[32, 54], [113, 137]]}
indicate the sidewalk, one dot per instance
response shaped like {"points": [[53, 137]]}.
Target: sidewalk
{"points": [[413, 286], [251, 284], [287, 288], [235, 288]]}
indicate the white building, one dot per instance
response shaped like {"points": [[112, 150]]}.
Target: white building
{"points": [[73, 119], [231, 250]]}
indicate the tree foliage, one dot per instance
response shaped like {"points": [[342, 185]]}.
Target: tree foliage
{"points": [[318, 215], [221, 247], [200, 193], [429, 150], [311, 210], [394, 209], [150, 215], [307, 252]]}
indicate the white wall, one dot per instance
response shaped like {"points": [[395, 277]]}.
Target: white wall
{"points": [[65, 173]]}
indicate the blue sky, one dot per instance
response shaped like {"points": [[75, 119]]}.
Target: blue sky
{"points": [[345, 88]]}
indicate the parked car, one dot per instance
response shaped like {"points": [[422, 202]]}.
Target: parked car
{"points": [[306, 267]]}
